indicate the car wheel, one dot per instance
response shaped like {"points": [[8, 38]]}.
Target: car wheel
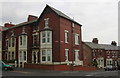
{"points": [[5, 69]]}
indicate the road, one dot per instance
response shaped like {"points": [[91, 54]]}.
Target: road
{"points": [[35, 72]]}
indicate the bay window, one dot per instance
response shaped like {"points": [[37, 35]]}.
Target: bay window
{"points": [[46, 37], [46, 55]]}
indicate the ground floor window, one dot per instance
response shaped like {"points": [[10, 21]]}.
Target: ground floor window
{"points": [[35, 57], [76, 55], [66, 55], [46, 55], [11, 55], [22, 56], [109, 62]]}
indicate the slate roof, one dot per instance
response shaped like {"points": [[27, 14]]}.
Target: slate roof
{"points": [[21, 24], [101, 46], [63, 15], [55, 10]]}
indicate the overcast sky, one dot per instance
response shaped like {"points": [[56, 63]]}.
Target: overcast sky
{"points": [[98, 17]]}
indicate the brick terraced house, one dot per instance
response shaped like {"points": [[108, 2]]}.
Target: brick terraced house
{"points": [[104, 54], [53, 38]]}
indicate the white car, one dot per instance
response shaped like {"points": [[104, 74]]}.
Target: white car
{"points": [[110, 67]]}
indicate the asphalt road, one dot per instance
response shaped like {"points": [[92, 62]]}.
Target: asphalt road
{"points": [[36, 72]]}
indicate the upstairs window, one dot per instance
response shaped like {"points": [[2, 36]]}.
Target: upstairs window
{"points": [[35, 40], [76, 39], [46, 22], [43, 37], [66, 36], [46, 36], [20, 40], [13, 42], [23, 40], [9, 42]]}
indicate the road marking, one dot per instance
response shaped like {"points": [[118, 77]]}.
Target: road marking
{"points": [[91, 74]]}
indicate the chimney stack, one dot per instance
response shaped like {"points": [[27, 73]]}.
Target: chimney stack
{"points": [[7, 25], [113, 43], [31, 18], [95, 40]]}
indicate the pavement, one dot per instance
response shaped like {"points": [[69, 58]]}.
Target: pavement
{"points": [[19, 72]]}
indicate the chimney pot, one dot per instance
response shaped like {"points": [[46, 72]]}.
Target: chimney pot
{"points": [[113, 43], [95, 40]]}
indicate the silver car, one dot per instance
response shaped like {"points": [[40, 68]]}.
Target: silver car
{"points": [[110, 67]]}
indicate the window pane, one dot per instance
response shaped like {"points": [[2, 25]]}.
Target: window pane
{"points": [[48, 55], [12, 55], [20, 40], [48, 58], [24, 40], [66, 37], [43, 37], [48, 37], [12, 42], [24, 55], [43, 58], [43, 52], [43, 34]]}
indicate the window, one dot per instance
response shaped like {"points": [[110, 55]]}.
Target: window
{"points": [[35, 39], [76, 55], [66, 55], [100, 53], [66, 36], [12, 55], [76, 39], [43, 55], [20, 55], [9, 42], [20, 40], [46, 22], [13, 40], [46, 55], [108, 54], [46, 37], [94, 54], [43, 37], [24, 40], [6, 44], [25, 57]]}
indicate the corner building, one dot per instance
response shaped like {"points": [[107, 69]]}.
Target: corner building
{"points": [[52, 38]]}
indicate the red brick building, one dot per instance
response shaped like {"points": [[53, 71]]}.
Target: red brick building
{"points": [[104, 54], [52, 38]]}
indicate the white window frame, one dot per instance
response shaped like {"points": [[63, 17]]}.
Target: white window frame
{"points": [[77, 57], [24, 40], [46, 55], [46, 22], [66, 36], [46, 37], [76, 39], [66, 54]]}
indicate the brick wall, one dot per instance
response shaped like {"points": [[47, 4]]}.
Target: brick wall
{"points": [[60, 67]]}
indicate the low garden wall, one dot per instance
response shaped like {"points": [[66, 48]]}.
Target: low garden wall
{"points": [[60, 67]]}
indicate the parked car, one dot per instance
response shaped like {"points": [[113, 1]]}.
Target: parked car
{"points": [[110, 67], [6, 66]]}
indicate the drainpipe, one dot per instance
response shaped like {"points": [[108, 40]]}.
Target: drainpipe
{"points": [[72, 46]]}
